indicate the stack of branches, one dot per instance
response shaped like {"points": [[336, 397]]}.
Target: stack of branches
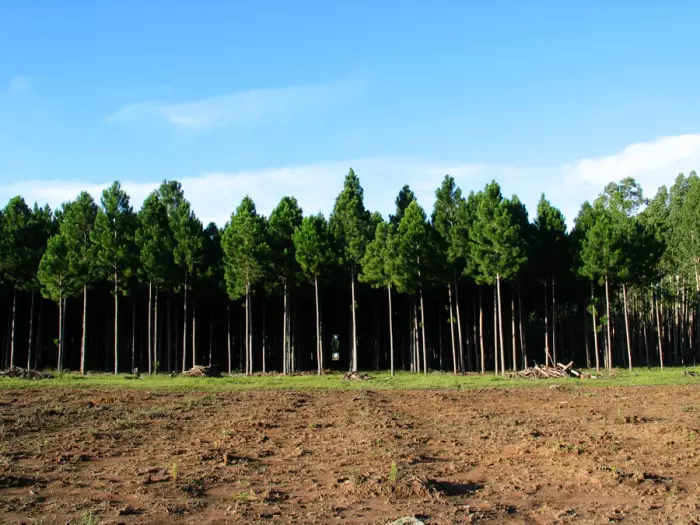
{"points": [[357, 376], [550, 372], [24, 373], [203, 371]]}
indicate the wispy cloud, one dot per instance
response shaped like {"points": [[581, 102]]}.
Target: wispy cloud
{"points": [[215, 195], [18, 84], [233, 109]]}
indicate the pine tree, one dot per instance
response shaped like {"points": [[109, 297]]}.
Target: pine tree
{"points": [[245, 251], [58, 283], [15, 265], [112, 238], [350, 227], [312, 242], [414, 241], [154, 241], [284, 220], [76, 227], [41, 229], [497, 249], [552, 261], [446, 215], [382, 267], [403, 199]]}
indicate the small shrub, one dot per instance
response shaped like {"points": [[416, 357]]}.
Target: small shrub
{"points": [[393, 473]]}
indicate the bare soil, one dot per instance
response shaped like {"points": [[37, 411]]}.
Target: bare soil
{"points": [[530, 455]]}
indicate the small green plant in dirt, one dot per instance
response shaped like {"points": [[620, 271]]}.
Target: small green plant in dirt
{"points": [[314, 425], [692, 436], [194, 488], [687, 408], [92, 432], [608, 468], [89, 519], [242, 497], [174, 470], [393, 473], [155, 413]]}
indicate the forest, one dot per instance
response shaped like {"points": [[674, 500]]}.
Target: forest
{"points": [[470, 286]]}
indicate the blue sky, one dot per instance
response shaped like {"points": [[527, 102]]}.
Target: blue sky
{"points": [[274, 97]]}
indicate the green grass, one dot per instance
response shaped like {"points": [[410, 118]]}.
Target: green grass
{"points": [[380, 381]]}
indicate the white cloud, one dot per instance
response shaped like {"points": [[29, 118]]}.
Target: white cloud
{"points": [[232, 109], [18, 84], [215, 195]]}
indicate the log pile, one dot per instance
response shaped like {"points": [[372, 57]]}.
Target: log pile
{"points": [[553, 372], [357, 376], [203, 371], [24, 373]]}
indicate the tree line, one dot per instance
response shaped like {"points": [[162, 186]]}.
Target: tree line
{"points": [[475, 286]]}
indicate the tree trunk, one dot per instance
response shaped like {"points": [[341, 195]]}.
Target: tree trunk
{"points": [[607, 313], [627, 328], [425, 345], [459, 322], [12, 330], [116, 323], [658, 331], [500, 325], [391, 332], [481, 331], [211, 336], [319, 345], [170, 333], [31, 333], [416, 342], [452, 331], [150, 332], [512, 322], [285, 370], [84, 335], [595, 330], [184, 328], [157, 355], [496, 360], [523, 344], [554, 324], [588, 351], [354, 322], [646, 335], [264, 336], [228, 335], [194, 330], [546, 325], [133, 333], [59, 363]]}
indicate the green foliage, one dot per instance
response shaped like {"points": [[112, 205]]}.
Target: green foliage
{"points": [[414, 242], [497, 241], [17, 266], [56, 274], [552, 252], [382, 265], [113, 235], [154, 242], [77, 224], [446, 216], [403, 199], [284, 220], [350, 222], [245, 249], [313, 246]]}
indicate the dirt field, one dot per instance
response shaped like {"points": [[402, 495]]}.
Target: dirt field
{"points": [[529, 455]]}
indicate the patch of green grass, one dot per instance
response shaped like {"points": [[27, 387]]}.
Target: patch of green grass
{"points": [[155, 413], [335, 381], [89, 519]]}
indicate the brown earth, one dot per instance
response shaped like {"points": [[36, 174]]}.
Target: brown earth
{"points": [[533, 455]]}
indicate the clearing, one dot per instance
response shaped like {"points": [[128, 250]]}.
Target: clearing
{"points": [[543, 454]]}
